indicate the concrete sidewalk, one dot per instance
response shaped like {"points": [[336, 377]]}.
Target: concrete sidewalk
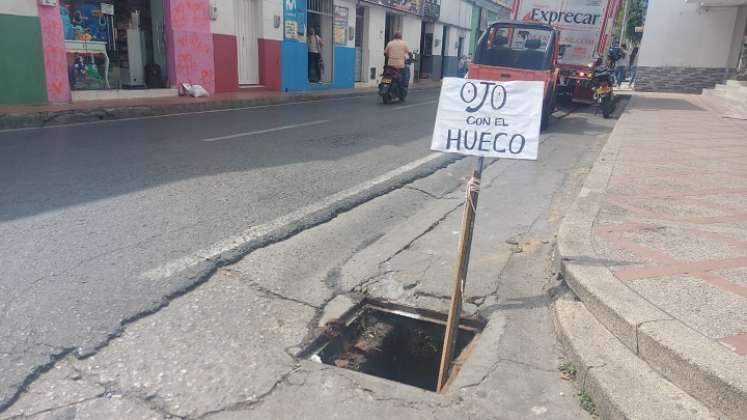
{"points": [[23, 116], [656, 247]]}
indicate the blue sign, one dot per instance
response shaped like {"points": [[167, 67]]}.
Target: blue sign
{"points": [[294, 15]]}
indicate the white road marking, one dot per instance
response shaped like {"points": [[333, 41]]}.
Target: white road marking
{"points": [[414, 105], [209, 111], [275, 228], [269, 130]]}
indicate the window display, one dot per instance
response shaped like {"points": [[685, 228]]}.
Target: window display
{"points": [[111, 44]]}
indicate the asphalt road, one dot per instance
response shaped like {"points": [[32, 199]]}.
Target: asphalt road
{"points": [[87, 210]]}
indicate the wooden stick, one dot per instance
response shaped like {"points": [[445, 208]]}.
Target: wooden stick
{"points": [[460, 275]]}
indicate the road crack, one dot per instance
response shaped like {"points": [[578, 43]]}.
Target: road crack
{"points": [[275, 295], [258, 399]]}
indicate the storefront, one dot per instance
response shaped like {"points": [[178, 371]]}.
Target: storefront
{"points": [[428, 56], [318, 50], [381, 19], [114, 45]]}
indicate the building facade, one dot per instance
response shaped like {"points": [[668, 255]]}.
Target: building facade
{"points": [[376, 23], [445, 38], [483, 13], [247, 38], [121, 48], [690, 45], [22, 60], [334, 22], [58, 51]]}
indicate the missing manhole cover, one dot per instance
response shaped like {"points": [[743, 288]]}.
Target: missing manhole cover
{"points": [[393, 342]]}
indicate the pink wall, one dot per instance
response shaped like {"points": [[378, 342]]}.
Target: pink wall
{"points": [[189, 43], [55, 61]]}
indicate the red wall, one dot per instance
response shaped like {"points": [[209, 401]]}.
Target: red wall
{"points": [[226, 63], [269, 64]]}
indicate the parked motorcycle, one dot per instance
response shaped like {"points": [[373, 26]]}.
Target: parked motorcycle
{"points": [[601, 83], [395, 82]]}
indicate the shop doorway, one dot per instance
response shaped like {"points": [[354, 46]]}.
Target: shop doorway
{"points": [[246, 18], [444, 50], [392, 24], [321, 20], [359, 50], [426, 50], [116, 44]]}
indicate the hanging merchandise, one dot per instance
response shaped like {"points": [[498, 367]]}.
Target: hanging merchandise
{"points": [[92, 72], [84, 21], [67, 25]]}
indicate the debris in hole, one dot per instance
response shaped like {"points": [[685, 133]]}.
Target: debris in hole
{"points": [[392, 344]]}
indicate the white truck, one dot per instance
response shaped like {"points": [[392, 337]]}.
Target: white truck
{"points": [[585, 34]]}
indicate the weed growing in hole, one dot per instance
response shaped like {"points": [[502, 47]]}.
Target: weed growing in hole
{"points": [[568, 369], [585, 401]]}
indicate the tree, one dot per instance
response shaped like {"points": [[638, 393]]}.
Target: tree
{"points": [[636, 15]]}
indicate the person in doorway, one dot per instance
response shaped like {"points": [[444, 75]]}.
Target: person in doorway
{"points": [[620, 65], [396, 52], [315, 55], [462, 67], [633, 67]]}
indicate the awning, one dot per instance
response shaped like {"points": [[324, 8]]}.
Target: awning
{"points": [[494, 5], [717, 3]]}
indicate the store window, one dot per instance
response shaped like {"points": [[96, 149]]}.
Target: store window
{"points": [[114, 45]]}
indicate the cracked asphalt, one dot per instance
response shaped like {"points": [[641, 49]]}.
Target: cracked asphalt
{"points": [[86, 211], [226, 350]]}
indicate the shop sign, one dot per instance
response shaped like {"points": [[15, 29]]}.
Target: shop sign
{"points": [[509, 4], [294, 15], [341, 25], [107, 9], [409, 6], [488, 118], [431, 9]]}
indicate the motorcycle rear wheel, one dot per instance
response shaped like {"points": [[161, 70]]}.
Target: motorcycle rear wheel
{"points": [[607, 106]]}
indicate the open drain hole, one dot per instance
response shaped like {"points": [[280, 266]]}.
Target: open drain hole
{"points": [[392, 342]]}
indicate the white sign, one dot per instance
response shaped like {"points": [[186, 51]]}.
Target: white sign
{"points": [[489, 118], [579, 21], [107, 9]]}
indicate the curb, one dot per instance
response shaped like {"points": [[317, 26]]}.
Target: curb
{"points": [[694, 363], [54, 118], [621, 386]]}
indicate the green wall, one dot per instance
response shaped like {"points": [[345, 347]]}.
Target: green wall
{"points": [[475, 25], [22, 78], [490, 17]]}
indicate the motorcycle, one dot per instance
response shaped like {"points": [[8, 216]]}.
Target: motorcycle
{"points": [[394, 82], [601, 84]]}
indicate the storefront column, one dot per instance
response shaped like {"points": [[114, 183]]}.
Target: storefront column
{"points": [[189, 43], [55, 61]]}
